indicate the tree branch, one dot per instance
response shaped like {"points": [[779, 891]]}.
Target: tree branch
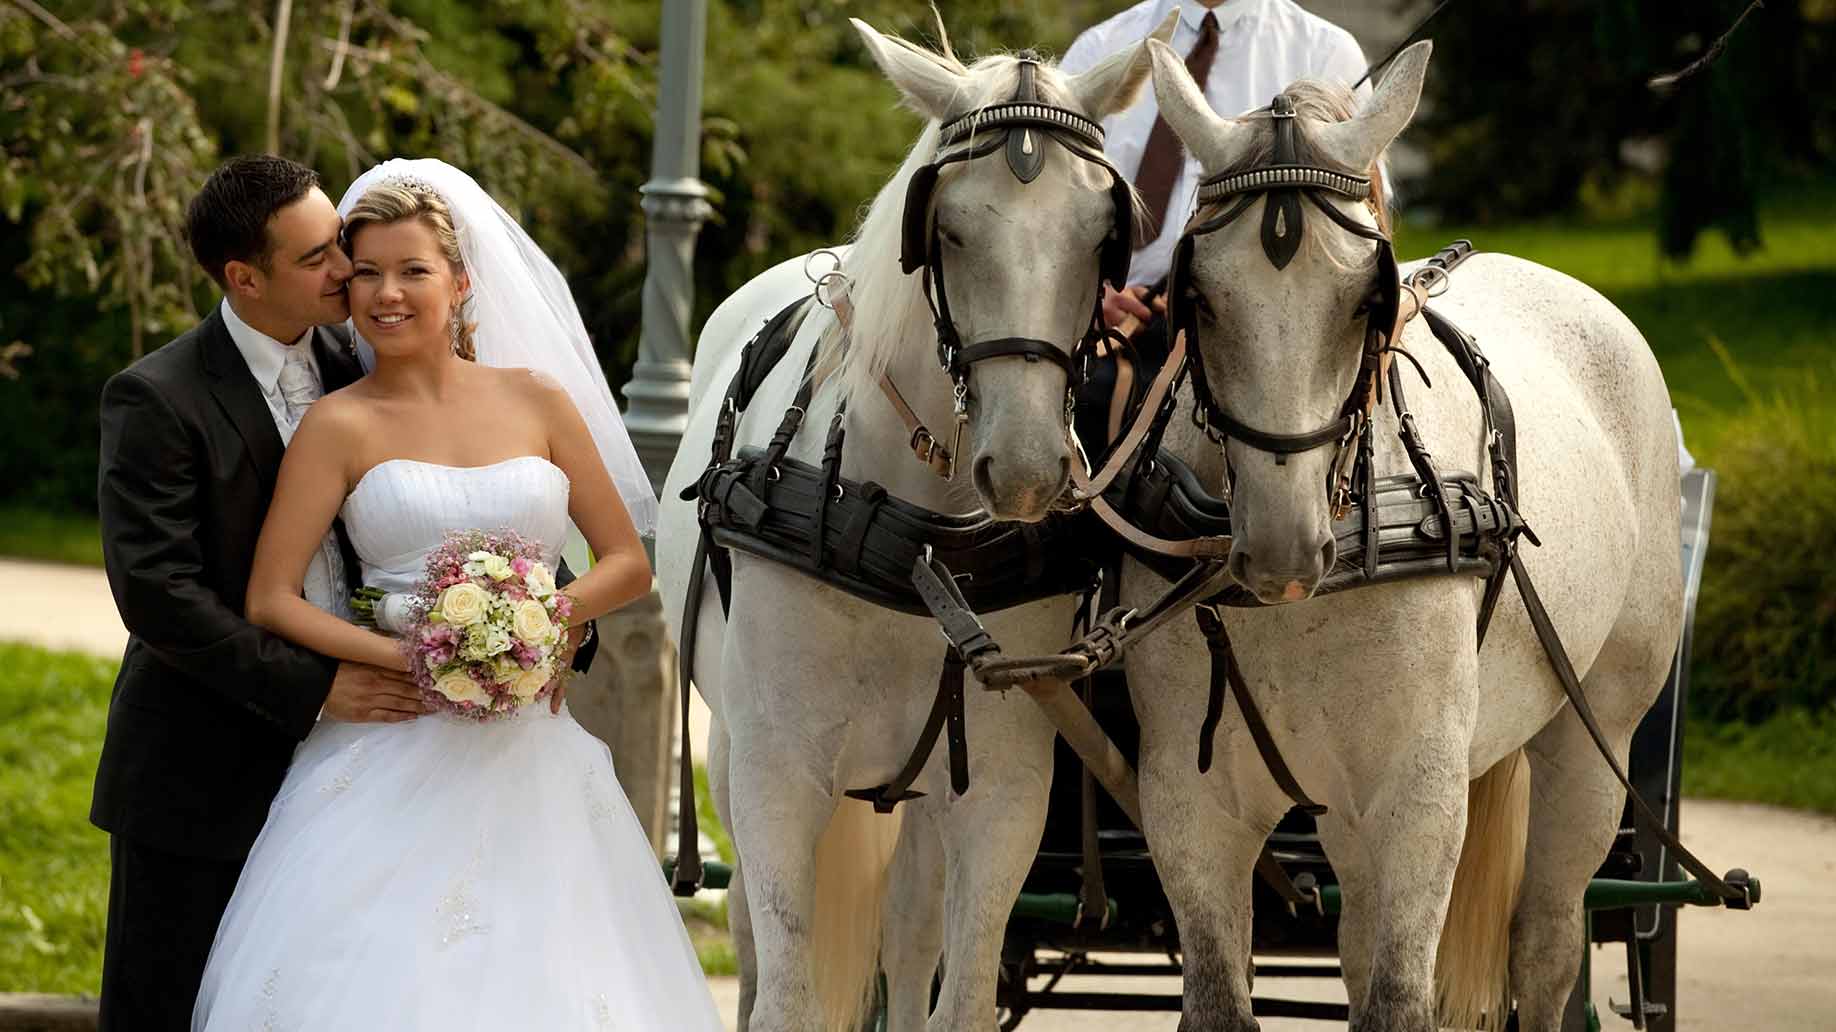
{"points": [[283, 18]]}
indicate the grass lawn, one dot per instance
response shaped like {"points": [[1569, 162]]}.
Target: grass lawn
{"points": [[1789, 760], [59, 538], [53, 864], [1774, 310]]}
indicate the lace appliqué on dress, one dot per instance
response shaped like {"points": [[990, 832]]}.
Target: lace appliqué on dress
{"points": [[270, 991], [598, 795], [354, 758], [458, 913]]}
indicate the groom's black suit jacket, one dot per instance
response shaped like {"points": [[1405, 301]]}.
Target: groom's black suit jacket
{"points": [[207, 708]]}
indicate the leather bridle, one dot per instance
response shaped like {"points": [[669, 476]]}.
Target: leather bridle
{"points": [[1284, 182], [1016, 127]]}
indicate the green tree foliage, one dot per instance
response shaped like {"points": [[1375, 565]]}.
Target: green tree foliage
{"points": [[112, 112], [102, 145], [1532, 101]]}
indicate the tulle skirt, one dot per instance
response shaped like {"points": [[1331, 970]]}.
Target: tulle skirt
{"points": [[443, 874]]}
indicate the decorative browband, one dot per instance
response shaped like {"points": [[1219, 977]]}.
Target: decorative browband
{"points": [[1274, 177], [1017, 113]]}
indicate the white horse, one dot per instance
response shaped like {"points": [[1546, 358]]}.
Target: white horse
{"points": [[814, 692], [1381, 701]]}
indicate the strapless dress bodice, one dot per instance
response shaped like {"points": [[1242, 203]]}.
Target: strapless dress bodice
{"points": [[402, 509]]}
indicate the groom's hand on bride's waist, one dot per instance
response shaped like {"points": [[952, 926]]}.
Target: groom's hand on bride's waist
{"points": [[366, 694], [575, 635]]}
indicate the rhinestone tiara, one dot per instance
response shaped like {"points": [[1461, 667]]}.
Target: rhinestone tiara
{"points": [[411, 182]]}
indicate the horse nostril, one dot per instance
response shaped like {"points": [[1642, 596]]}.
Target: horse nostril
{"points": [[1239, 565], [984, 476]]}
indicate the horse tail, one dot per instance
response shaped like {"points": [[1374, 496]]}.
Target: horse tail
{"points": [[1473, 967], [852, 859]]}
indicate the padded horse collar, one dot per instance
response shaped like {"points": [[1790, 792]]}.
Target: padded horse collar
{"points": [[1018, 127], [1285, 181]]}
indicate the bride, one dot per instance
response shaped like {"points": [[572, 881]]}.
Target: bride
{"points": [[443, 873]]}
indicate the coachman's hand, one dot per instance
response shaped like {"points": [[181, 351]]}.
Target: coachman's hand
{"points": [[1125, 304]]}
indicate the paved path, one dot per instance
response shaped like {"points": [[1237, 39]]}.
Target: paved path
{"points": [[70, 607], [1773, 969]]}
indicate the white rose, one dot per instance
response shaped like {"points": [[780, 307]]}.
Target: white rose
{"points": [[459, 687], [531, 622], [497, 567], [463, 604], [532, 681], [540, 581], [482, 641]]}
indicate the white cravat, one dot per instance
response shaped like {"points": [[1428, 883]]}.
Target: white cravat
{"points": [[299, 386]]}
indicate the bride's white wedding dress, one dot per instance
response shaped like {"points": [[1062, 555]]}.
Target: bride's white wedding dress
{"points": [[444, 874]]}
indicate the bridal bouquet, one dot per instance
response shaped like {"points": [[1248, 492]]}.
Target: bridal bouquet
{"points": [[487, 627]]}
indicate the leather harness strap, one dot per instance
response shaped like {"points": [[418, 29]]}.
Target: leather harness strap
{"points": [[1205, 549], [1224, 670], [946, 712], [1736, 898], [757, 359], [1122, 453], [926, 447]]}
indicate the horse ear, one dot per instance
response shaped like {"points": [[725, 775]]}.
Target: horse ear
{"points": [[1215, 142], [930, 82], [1356, 143], [1115, 82]]}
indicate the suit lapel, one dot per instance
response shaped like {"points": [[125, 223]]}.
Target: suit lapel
{"points": [[338, 365], [237, 394]]}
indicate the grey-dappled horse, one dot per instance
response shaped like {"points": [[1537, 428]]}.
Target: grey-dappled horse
{"points": [[1382, 702], [815, 692]]}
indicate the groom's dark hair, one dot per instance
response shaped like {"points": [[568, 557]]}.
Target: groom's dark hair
{"points": [[228, 219]]}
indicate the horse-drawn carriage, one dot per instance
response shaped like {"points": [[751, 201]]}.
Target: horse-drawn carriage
{"points": [[808, 573]]}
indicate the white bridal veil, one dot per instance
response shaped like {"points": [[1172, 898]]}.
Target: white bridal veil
{"points": [[525, 313]]}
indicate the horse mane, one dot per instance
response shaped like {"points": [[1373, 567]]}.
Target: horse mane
{"points": [[890, 308], [1322, 101]]}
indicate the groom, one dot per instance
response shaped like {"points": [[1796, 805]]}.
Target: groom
{"points": [[207, 708]]}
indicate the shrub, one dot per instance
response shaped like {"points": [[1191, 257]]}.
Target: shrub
{"points": [[1766, 621]]}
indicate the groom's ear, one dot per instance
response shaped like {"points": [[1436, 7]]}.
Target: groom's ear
{"points": [[240, 279]]}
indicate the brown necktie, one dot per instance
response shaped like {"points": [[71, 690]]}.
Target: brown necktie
{"points": [[1161, 160]]}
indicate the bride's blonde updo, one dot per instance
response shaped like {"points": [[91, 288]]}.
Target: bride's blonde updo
{"points": [[399, 200]]}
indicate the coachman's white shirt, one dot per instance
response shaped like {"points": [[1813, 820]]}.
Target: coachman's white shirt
{"points": [[324, 586], [1263, 45]]}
